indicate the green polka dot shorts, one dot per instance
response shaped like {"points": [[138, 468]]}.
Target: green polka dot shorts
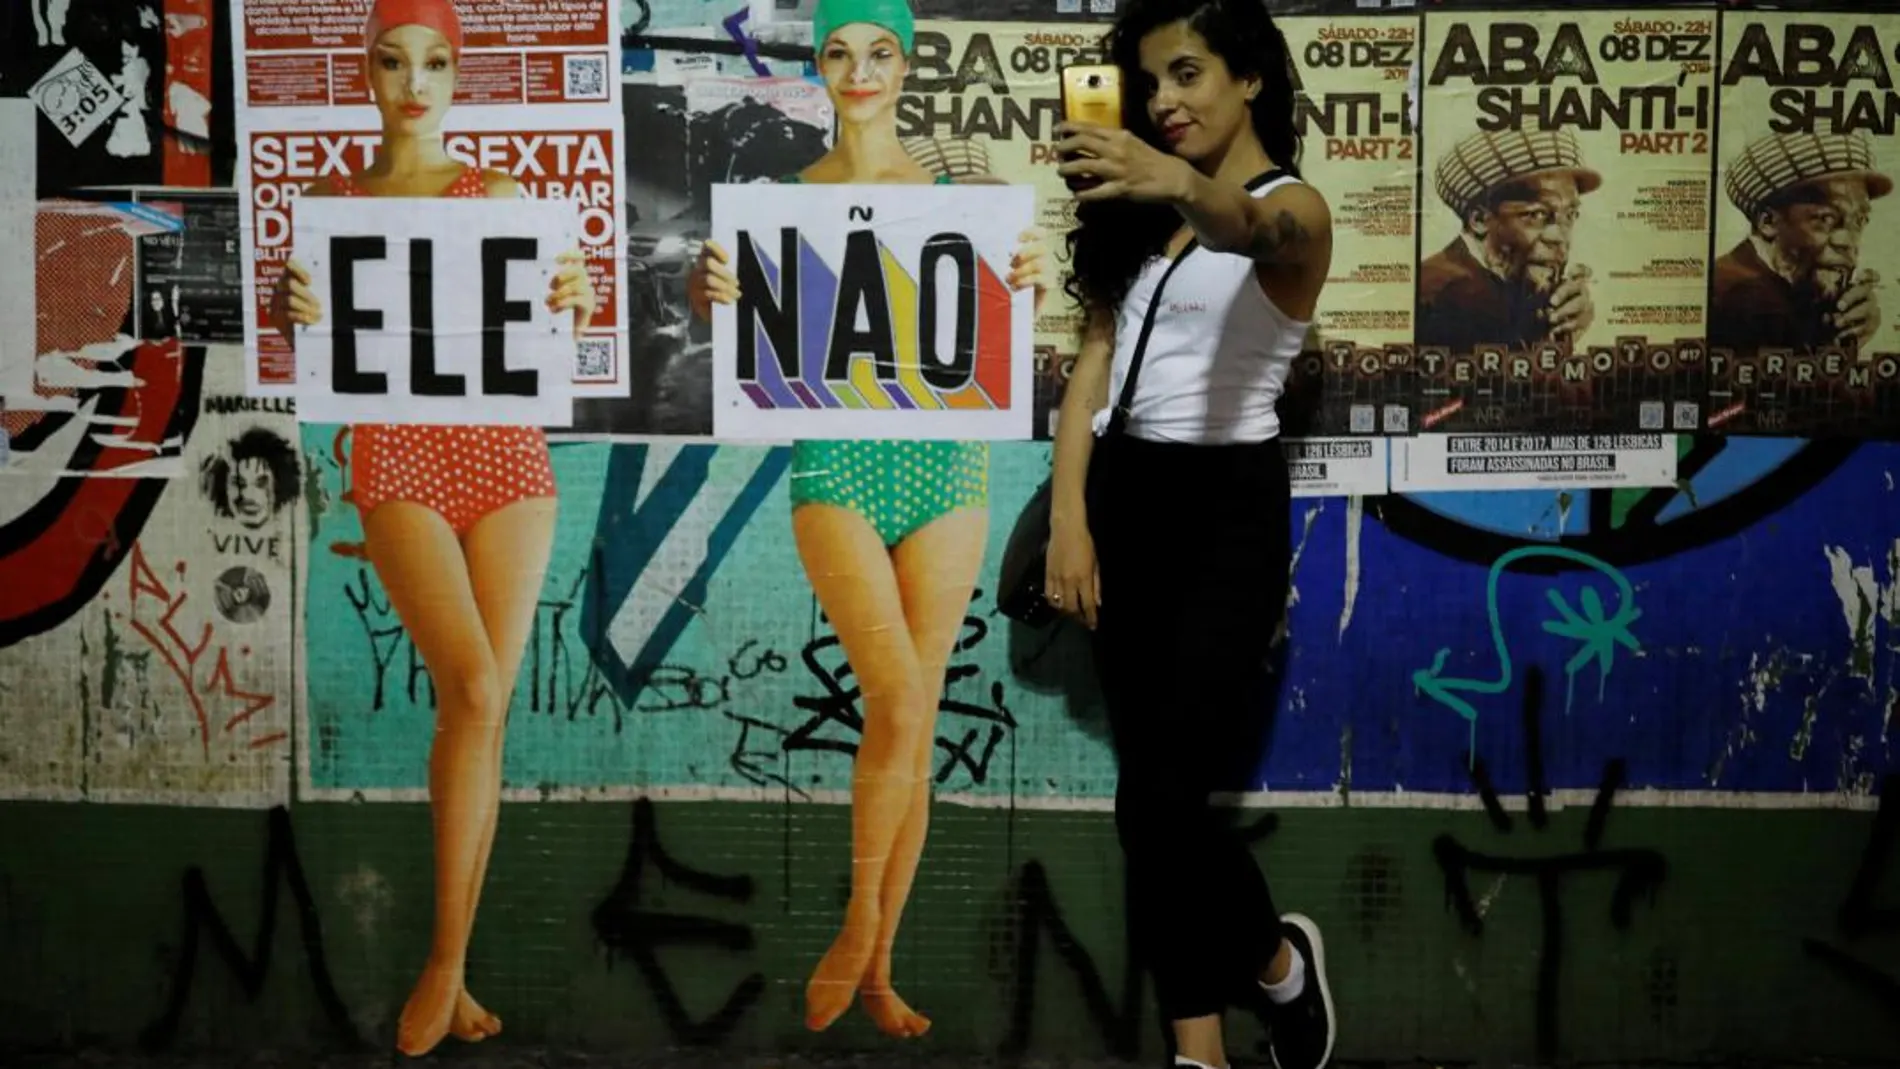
{"points": [[898, 486]]}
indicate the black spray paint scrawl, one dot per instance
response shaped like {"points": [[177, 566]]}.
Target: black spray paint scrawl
{"points": [[1859, 917], [631, 930], [1639, 871], [282, 869]]}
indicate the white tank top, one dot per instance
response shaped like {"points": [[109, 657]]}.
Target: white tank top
{"points": [[1218, 353]]}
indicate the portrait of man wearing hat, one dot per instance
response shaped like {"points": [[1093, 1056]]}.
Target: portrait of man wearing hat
{"points": [[1506, 278], [1794, 280]]}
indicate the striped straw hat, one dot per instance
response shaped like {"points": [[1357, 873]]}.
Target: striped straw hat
{"points": [[1484, 161], [1780, 162]]}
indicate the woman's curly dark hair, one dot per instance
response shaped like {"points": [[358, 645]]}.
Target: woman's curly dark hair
{"points": [[1113, 238]]}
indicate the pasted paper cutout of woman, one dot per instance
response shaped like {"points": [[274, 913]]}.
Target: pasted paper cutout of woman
{"points": [[49, 21], [891, 534], [129, 136], [458, 521]]}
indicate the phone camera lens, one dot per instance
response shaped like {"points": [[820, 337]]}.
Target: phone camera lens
{"points": [[1095, 81]]}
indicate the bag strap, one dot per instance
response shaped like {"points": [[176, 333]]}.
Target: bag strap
{"points": [[1118, 417]]}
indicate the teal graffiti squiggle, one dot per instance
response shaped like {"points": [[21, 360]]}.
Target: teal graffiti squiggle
{"points": [[1598, 636]]}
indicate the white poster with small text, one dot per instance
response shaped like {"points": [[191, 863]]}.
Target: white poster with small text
{"points": [[1532, 461]]}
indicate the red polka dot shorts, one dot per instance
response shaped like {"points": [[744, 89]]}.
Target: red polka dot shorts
{"points": [[462, 472]]}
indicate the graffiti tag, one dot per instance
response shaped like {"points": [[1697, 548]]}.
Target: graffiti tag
{"points": [[1597, 635]]}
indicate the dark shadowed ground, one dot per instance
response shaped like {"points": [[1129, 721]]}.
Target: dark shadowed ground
{"points": [[530, 1059]]}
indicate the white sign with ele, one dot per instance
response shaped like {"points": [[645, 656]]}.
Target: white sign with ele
{"points": [[434, 311]]}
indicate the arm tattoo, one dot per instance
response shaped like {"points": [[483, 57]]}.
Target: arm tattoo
{"points": [[1279, 235]]}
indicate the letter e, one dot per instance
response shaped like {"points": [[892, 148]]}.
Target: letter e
{"points": [[498, 380], [345, 376]]}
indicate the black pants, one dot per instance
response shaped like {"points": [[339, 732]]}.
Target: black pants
{"points": [[1194, 545]]}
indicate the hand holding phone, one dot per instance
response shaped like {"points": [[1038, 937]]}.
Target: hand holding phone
{"points": [[1092, 94]]}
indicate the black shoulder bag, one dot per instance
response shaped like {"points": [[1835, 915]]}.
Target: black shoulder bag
{"points": [[1026, 556]]}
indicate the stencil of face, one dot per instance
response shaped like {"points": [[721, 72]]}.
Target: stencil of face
{"points": [[1527, 230], [863, 67], [1816, 234], [250, 489], [1195, 102], [412, 79]]}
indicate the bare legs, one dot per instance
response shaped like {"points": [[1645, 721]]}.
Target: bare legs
{"points": [[936, 574], [468, 606], [897, 614]]}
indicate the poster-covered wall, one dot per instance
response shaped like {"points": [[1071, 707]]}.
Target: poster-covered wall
{"points": [[1593, 437], [105, 394], [647, 532]]}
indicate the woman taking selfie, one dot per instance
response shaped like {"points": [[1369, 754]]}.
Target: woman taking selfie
{"points": [[1199, 256]]}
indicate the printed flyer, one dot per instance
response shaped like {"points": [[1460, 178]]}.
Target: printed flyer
{"points": [[1564, 230], [84, 393], [191, 283], [1532, 461], [681, 141], [1804, 314], [669, 42], [982, 103], [1337, 467], [1359, 145], [446, 98]]}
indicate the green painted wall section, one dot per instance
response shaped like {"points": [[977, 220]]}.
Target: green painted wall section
{"points": [[93, 919]]}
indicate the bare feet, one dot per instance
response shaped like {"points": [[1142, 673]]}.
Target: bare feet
{"points": [[892, 1015], [473, 1023], [430, 1011], [834, 983]]}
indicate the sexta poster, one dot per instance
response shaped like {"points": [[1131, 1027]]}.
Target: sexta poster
{"points": [[1804, 339], [1563, 242], [533, 111]]}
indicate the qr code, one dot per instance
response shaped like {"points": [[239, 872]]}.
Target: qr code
{"points": [[586, 77], [1398, 419], [594, 359], [1068, 7], [1649, 415], [1361, 419], [1688, 416]]}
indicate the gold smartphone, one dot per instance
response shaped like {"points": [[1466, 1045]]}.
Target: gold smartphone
{"points": [[1092, 93]]}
